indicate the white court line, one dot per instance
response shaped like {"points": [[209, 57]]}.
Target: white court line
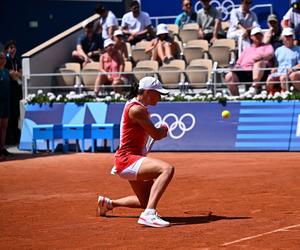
{"points": [[259, 235]]}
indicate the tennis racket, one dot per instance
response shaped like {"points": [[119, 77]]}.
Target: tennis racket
{"points": [[149, 144]]}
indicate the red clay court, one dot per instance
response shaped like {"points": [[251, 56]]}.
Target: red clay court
{"points": [[49, 201]]}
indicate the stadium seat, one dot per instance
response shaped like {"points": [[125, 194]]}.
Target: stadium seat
{"points": [[195, 49], [199, 72], [173, 28], [175, 77], [89, 75], [190, 26], [48, 132], [108, 131], [188, 34], [145, 65], [138, 52], [67, 77], [75, 132], [223, 51]]}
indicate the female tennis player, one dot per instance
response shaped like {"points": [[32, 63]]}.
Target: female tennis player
{"points": [[147, 176]]}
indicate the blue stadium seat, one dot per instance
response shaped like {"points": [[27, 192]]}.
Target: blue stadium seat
{"points": [[48, 132], [108, 131], [75, 132]]}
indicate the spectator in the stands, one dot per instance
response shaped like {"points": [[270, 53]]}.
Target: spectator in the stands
{"points": [[242, 21], [287, 60], [249, 64], [292, 19], [188, 15], [136, 24], [88, 45], [111, 61], [4, 104], [209, 20], [163, 48], [14, 65], [120, 44], [107, 24], [273, 34]]}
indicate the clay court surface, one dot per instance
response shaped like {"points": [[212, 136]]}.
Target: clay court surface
{"points": [[48, 202]]}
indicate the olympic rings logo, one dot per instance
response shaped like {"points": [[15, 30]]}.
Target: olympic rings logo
{"points": [[225, 7], [183, 124]]}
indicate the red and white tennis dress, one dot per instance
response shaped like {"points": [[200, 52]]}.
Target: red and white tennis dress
{"points": [[133, 139]]}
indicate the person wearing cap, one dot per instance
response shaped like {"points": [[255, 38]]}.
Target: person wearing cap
{"points": [[242, 21], [273, 34], [136, 24], [163, 47], [187, 16], [148, 177], [108, 22], [120, 44], [111, 61], [249, 64], [292, 19], [88, 45], [287, 60], [209, 20]]}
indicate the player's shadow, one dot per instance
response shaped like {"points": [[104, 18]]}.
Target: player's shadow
{"points": [[195, 219]]}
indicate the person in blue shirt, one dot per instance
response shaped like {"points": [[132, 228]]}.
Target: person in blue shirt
{"points": [[188, 15], [88, 45], [287, 60]]}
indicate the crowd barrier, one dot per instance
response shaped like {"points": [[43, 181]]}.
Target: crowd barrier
{"points": [[194, 126]]}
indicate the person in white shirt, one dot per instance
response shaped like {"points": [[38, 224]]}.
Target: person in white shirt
{"points": [[136, 24], [292, 19], [242, 21], [107, 24]]}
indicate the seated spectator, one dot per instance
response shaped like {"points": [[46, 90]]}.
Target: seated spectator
{"points": [[120, 44], [136, 24], [110, 61], [273, 34], [4, 104], [187, 16], [241, 22], [209, 20], [292, 19], [251, 60], [163, 47], [107, 24], [287, 58], [88, 45], [14, 65]]}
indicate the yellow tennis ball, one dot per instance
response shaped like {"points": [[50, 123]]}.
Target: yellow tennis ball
{"points": [[225, 114]]}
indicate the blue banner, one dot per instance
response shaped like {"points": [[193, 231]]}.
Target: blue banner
{"points": [[194, 126]]}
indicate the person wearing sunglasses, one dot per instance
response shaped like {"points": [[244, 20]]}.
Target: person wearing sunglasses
{"points": [[242, 21], [188, 15], [136, 24], [292, 19]]}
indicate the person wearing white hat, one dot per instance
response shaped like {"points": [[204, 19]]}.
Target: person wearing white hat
{"points": [[120, 44], [163, 47], [249, 64], [111, 64], [287, 60], [148, 177]]}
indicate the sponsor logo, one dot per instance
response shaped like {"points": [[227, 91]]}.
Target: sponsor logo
{"points": [[225, 7]]}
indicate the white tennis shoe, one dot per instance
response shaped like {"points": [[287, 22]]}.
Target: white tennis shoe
{"points": [[152, 220], [104, 205]]}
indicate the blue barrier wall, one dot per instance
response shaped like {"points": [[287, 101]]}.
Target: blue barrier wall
{"points": [[194, 126]]}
